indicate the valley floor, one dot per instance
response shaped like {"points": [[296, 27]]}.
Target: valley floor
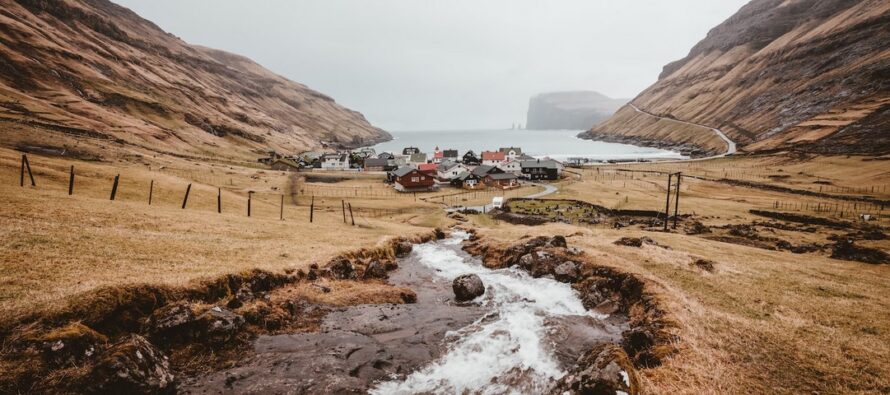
{"points": [[764, 319]]}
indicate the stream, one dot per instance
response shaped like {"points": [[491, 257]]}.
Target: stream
{"points": [[519, 337]]}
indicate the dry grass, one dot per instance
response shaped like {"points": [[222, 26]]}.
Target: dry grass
{"points": [[764, 321], [53, 246]]}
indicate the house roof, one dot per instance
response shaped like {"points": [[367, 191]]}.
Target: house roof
{"points": [[493, 155], [447, 165], [375, 162], [403, 171], [338, 156], [482, 170], [418, 158], [546, 164], [508, 149], [386, 155], [465, 175], [287, 162], [502, 176], [427, 166], [450, 153]]}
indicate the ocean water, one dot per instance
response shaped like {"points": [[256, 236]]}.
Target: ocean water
{"points": [[556, 144]]}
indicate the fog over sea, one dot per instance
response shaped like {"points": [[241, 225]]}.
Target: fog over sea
{"points": [[556, 144]]}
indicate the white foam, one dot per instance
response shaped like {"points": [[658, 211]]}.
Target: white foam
{"points": [[491, 355]]}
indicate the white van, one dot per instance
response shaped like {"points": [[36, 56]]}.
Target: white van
{"points": [[497, 202]]}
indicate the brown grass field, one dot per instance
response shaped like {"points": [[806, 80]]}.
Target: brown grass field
{"points": [[763, 321]]}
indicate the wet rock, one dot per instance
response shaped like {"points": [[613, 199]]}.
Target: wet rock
{"points": [[566, 272], [467, 287], [539, 263], [440, 234], [403, 248], [342, 269], [629, 242], [605, 370], [133, 366], [410, 297], [375, 269], [219, 324], [174, 320]]}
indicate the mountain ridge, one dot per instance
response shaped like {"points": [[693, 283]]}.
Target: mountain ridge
{"points": [[779, 74], [92, 67]]}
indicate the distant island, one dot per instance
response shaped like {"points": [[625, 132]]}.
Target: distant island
{"points": [[570, 110]]}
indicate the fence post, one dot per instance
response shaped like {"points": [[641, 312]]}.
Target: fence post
{"points": [[312, 209], [249, 197], [114, 186], [350, 214], [26, 165], [22, 173], [219, 200], [71, 182], [282, 207], [151, 190], [186, 198], [343, 207], [677, 200]]}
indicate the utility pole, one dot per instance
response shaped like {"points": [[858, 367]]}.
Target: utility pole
{"points": [[677, 200], [667, 204]]}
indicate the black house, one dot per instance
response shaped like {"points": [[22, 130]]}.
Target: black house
{"points": [[471, 159], [540, 169], [410, 151]]}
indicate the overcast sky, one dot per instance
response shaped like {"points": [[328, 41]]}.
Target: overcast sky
{"points": [[449, 64]]}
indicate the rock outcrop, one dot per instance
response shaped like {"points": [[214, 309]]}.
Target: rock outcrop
{"points": [[807, 75], [467, 287], [578, 110], [74, 69]]}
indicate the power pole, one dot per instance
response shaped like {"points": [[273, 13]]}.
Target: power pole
{"points": [[667, 204], [677, 200]]}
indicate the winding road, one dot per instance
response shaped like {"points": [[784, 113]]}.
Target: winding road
{"points": [[730, 145]]}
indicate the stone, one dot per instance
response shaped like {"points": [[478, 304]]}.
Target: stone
{"points": [[133, 366], [219, 324], [440, 234], [242, 296], [558, 242], [467, 287], [629, 242], [403, 248], [174, 320], [605, 370], [566, 272], [342, 269], [375, 269]]}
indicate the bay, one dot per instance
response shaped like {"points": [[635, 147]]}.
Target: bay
{"points": [[555, 144]]}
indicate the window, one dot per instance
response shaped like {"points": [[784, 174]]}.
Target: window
{"points": [[415, 179]]}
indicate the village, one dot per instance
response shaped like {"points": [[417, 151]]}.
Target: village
{"points": [[416, 171]]}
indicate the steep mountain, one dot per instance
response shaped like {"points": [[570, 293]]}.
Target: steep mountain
{"points": [[810, 75], [570, 110], [90, 72]]}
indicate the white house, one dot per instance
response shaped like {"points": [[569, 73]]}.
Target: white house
{"points": [[337, 161], [511, 153], [511, 166], [493, 158], [450, 170]]}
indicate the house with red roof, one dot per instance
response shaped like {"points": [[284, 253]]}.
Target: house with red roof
{"points": [[493, 158]]}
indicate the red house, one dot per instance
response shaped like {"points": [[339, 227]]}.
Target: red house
{"points": [[409, 179]]}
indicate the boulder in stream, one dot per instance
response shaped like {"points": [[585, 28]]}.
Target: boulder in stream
{"points": [[467, 287], [566, 272], [604, 370]]}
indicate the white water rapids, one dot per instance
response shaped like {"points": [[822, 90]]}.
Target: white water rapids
{"points": [[506, 351]]}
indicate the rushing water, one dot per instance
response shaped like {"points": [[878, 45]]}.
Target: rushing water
{"points": [[508, 350], [557, 144]]}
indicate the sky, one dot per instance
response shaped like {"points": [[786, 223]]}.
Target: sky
{"points": [[448, 64]]}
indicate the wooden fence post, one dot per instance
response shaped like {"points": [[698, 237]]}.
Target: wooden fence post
{"points": [[350, 214], [26, 165], [249, 196], [151, 190], [22, 173], [312, 209], [186, 198], [114, 186], [667, 204], [71, 182], [343, 204], [219, 200], [282, 208]]}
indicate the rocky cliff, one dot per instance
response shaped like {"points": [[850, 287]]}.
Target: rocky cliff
{"points": [[91, 72], [811, 75], [570, 110]]}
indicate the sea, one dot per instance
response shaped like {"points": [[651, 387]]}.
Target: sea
{"points": [[555, 144]]}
